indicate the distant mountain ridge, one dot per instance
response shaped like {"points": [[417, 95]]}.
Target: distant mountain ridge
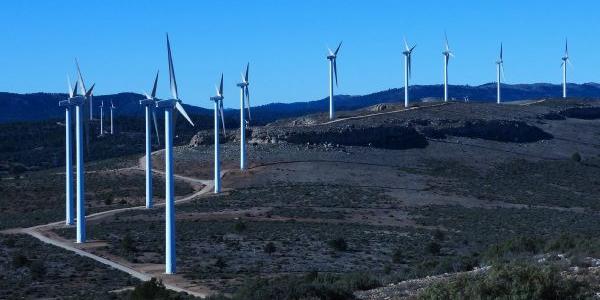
{"points": [[43, 106]]}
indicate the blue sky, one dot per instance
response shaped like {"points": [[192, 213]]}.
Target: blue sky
{"points": [[120, 44]]}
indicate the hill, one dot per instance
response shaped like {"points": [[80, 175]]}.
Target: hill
{"points": [[43, 106]]}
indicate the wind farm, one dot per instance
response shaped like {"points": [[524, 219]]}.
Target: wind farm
{"points": [[393, 185]]}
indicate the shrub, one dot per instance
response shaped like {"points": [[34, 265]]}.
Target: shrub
{"points": [[433, 248], [20, 260], [128, 244], [270, 248], [239, 226], [108, 201], [311, 286], [338, 244], [153, 289], [220, 263], [439, 235], [10, 241], [576, 157], [397, 256], [38, 269], [510, 281]]}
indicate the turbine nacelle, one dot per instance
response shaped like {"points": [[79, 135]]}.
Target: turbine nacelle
{"points": [[73, 101]]}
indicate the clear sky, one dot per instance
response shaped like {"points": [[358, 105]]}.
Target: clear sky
{"points": [[120, 44]]}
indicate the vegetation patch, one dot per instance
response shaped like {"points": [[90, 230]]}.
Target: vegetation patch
{"points": [[511, 281], [494, 130], [584, 113]]}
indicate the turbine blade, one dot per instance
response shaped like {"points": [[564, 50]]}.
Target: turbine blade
{"points": [[248, 102], [413, 47], [221, 86], [222, 117], [70, 88], [154, 86], [409, 65], [90, 91], [247, 69], [501, 52], [75, 88], [155, 126], [147, 96], [446, 37], [338, 48], [502, 72], [406, 44], [80, 76], [172, 80], [183, 113], [335, 71]]}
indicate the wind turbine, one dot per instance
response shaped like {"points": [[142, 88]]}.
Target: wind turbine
{"points": [[218, 99], [112, 108], [566, 61], [79, 102], [102, 117], [332, 57], [447, 54], [500, 72], [68, 105], [407, 69], [244, 95], [149, 104], [168, 106]]}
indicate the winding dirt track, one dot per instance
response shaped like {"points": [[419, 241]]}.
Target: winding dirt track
{"points": [[44, 234]]}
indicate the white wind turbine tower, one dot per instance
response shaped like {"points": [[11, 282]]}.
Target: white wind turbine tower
{"points": [[566, 61], [112, 108], [447, 54], [69, 104], [499, 73], [168, 106], [407, 69], [244, 98], [332, 57], [79, 102], [102, 117], [149, 105], [218, 99]]}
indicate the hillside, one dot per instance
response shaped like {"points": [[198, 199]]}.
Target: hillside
{"points": [[43, 106]]}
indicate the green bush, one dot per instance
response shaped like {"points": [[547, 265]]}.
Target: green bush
{"points": [[128, 244], [38, 269], [311, 286], [433, 248], [397, 256], [239, 226], [220, 263], [20, 260], [338, 244], [270, 248], [576, 157], [510, 281], [154, 289]]}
